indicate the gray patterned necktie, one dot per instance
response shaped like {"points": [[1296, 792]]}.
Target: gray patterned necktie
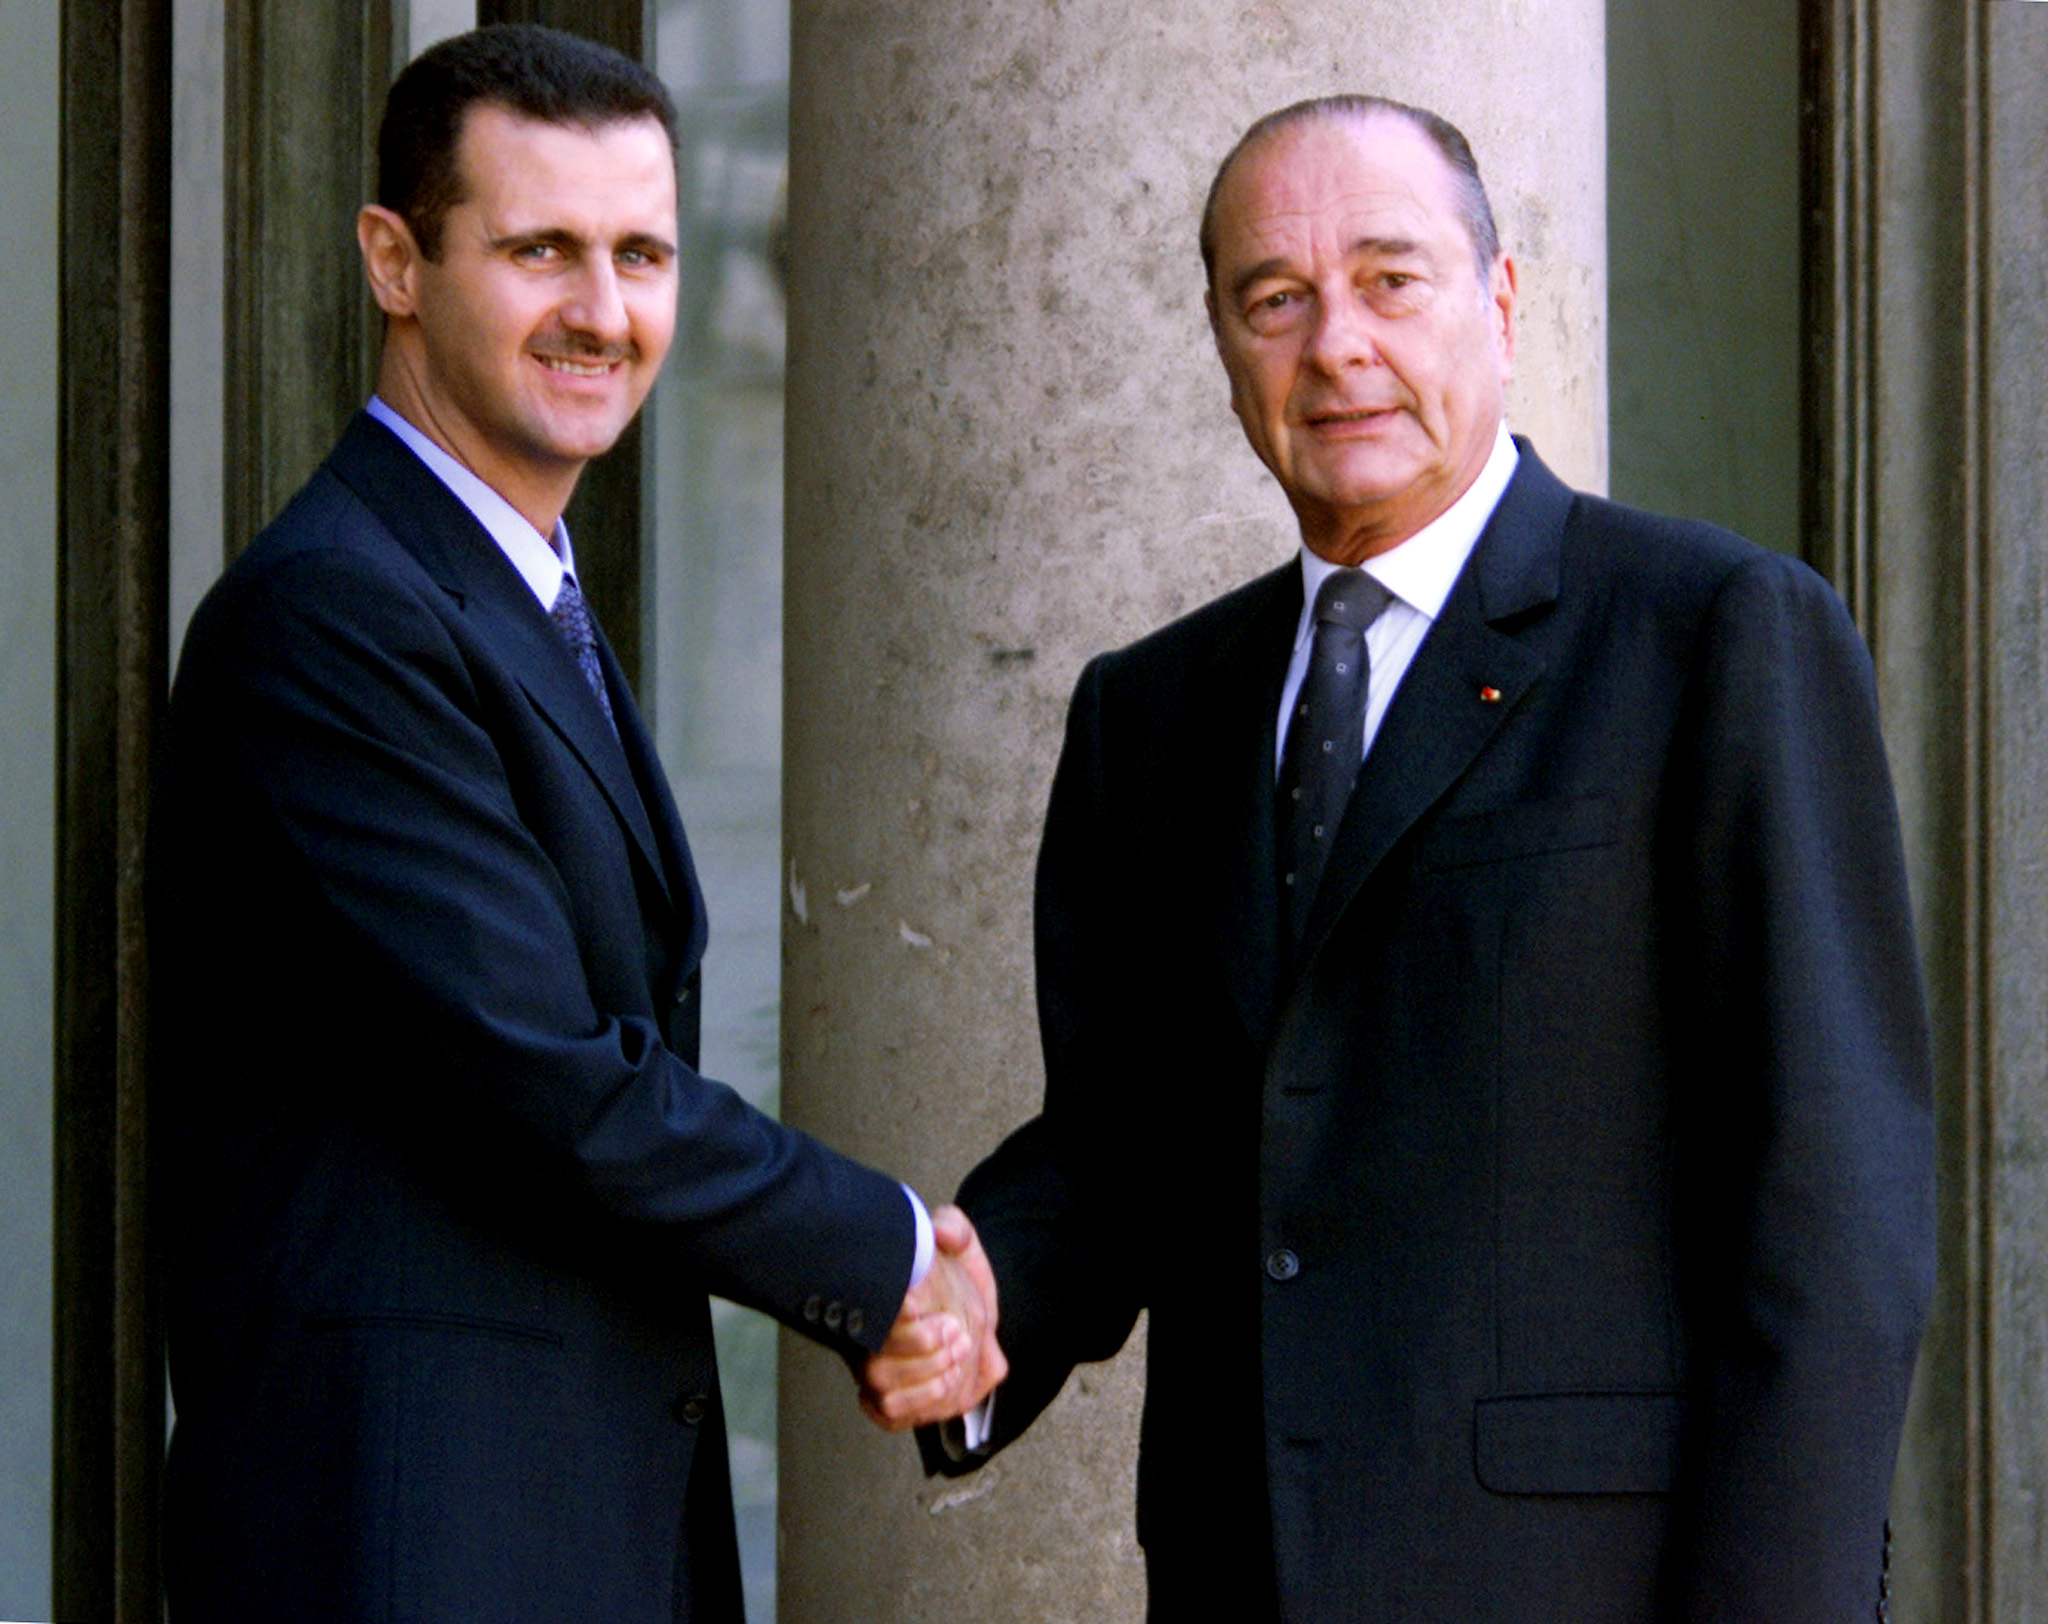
{"points": [[571, 616], [1325, 739]]}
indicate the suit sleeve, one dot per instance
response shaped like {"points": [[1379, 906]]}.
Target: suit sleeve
{"points": [[1805, 1126], [343, 747], [1049, 1202]]}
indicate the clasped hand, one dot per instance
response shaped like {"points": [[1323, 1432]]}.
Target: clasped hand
{"points": [[941, 1358]]}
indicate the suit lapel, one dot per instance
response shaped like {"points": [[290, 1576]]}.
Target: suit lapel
{"points": [[547, 670], [656, 797], [1237, 708], [1466, 680], [433, 525]]}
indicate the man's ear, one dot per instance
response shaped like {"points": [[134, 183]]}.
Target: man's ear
{"points": [[1501, 294], [391, 259]]}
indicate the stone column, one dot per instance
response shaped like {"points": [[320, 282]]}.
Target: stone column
{"points": [[1009, 447]]}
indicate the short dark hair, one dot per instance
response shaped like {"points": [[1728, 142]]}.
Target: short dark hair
{"points": [[535, 72], [1445, 136]]}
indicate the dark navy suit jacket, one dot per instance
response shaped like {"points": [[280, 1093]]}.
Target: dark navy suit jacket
{"points": [[445, 1192], [1553, 1241]]}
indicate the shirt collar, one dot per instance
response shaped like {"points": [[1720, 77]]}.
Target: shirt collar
{"points": [[541, 561], [1422, 570]]}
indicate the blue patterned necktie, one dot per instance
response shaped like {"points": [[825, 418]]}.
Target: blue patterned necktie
{"points": [[1325, 739], [571, 616]]}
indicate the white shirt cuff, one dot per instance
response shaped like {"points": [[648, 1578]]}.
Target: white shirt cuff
{"points": [[977, 1424], [968, 1435], [927, 1245]]}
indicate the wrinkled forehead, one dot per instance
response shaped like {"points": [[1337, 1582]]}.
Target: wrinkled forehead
{"points": [[1374, 176]]}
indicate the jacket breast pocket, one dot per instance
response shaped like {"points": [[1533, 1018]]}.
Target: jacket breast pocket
{"points": [[1578, 1443], [1529, 829]]}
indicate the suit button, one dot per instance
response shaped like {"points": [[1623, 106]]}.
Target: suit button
{"points": [[692, 1408], [682, 996], [856, 1321], [834, 1314], [1282, 1264], [813, 1307]]}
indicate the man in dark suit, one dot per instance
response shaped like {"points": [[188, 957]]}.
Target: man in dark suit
{"points": [[444, 1188], [1523, 1151]]}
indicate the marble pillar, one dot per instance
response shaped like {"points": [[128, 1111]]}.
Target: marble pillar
{"points": [[1009, 447]]}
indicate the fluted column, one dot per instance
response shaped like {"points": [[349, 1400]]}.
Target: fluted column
{"points": [[1009, 447]]}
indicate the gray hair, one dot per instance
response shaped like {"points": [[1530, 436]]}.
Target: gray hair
{"points": [[1445, 136]]}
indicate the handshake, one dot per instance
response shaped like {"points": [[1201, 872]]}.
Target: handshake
{"points": [[941, 1359]]}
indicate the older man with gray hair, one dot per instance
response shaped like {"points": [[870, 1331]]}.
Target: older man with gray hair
{"points": [[1481, 1016]]}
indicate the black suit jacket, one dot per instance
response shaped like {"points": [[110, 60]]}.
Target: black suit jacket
{"points": [[445, 1189], [1554, 1241]]}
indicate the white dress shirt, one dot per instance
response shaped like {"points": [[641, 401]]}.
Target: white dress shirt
{"points": [[1420, 573], [541, 560]]}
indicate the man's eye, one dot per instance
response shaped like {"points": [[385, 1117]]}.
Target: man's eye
{"points": [[1279, 299]]}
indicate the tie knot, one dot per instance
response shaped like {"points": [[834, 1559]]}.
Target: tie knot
{"points": [[572, 614], [1350, 598]]}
